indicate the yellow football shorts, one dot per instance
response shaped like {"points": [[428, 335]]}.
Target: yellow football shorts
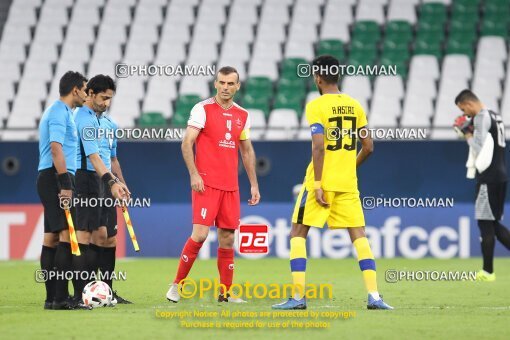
{"points": [[344, 210]]}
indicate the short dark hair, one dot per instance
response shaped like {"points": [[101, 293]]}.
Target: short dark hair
{"points": [[101, 83], [323, 65], [466, 95], [69, 81], [226, 70]]}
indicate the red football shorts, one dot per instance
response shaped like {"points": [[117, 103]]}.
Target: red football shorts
{"points": [[215, 207]]}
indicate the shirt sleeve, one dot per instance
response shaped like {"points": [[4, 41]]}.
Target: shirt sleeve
{"points": [[482, 124], [245, 134], [114, 144], [197, 117], [362, 117], [314, 119], [57, 126], [87, 132]]}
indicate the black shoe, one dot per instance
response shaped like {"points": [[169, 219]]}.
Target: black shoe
{"points": [[62, 305], [81, 305], [48, 305], [120, 300]]}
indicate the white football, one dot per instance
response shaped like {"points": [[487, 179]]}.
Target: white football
{"points": [[97, 294]]}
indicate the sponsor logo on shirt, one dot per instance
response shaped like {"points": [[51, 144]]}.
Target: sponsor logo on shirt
{"points": [[227, 144]]}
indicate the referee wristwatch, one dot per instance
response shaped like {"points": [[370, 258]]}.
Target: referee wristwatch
{"points": [[113, 181]]}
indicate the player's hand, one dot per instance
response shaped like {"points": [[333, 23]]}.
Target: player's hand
{"points": [[255, 196], [65, 193], [319, 197], [197, 184], [119, 191], [463, 126], [65, 197]]}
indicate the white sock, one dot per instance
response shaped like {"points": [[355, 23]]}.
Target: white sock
{"points": [[375, 295]]}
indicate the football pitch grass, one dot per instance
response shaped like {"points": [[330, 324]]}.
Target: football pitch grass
{"points": [[424, 309]]}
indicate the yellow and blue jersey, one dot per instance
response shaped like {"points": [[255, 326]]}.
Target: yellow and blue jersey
{"points": [[339, 117]]}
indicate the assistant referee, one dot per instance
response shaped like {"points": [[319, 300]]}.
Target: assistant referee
{"points": [[58, 141]]}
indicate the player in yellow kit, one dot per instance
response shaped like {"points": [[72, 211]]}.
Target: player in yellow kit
{"points": [[330, 191]]}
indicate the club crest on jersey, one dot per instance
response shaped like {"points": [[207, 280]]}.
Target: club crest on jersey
{"points": [[238, 122]]}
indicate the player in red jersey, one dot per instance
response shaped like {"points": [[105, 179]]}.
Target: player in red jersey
{"points": [[218, 128]]}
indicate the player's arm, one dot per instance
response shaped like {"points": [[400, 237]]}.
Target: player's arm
{"points": [[117, 170], [318, 152], [248, 157], [313, 117], [367, 144], [367, 148], [57, 131], [197, 184], [119, 189], [482, 125]]}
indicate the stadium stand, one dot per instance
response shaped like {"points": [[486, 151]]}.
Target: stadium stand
{"points": [[439, 48]]}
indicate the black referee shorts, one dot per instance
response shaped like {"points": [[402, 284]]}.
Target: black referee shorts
{"points": [[490, 201], [88, 209], [48, 190], [109, 214]]}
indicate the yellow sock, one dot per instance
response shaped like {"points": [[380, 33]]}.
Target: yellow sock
{"points": [[298, 265], [366, 264]]}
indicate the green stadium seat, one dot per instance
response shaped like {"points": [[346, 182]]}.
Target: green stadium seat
{"points": [[397, 55], [460, 47], [430, 37], [284, 101], [463, 37], [431, 26], [152, 119], [465, 7], [259, 85], [463, 27], [467, 3], [291, 84], [401, 66], [399, 30], [187, 101], [433, 10], [494, 28], [359, 45], [366, 28], [501, 16], [422, 47], [497, 8], [289, 66], [180, 117], [361, 58], [332, 47]]}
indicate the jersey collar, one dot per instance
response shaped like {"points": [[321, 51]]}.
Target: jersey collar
{"points": [[224, 108]]}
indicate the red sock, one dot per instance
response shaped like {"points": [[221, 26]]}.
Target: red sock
{"points": [[188, 256], [226, 266]]}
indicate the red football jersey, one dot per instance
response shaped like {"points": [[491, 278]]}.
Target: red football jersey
{"points": [[216, 147]]}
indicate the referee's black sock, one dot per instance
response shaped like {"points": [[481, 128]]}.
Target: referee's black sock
{"points": [[107, 264], [63, 263], [80, 265], [487, 232], [48, 264], [503, 235], [93, 257]]}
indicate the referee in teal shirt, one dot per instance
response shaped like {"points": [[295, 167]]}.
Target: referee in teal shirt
{"points": [[58, 141]]}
